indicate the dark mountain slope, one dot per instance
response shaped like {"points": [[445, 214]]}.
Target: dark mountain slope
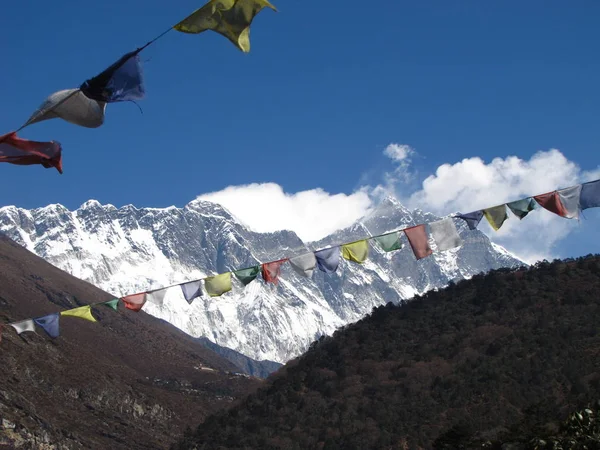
{"points": [[129, 381], [508, 349]]}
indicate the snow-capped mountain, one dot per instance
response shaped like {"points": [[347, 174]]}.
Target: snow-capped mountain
{"points": [[129, 250]]}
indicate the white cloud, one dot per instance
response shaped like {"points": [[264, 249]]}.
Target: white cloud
{"points": [[401, 156], [312, 214], [591, 175], [465, 186], [473, 184], [398, 152]]}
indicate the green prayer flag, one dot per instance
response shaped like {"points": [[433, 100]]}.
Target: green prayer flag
{"points": [[356, 251], [218, 284], [112, 304], [247, 276], [496, 216], [521, 208], [389, 242]]}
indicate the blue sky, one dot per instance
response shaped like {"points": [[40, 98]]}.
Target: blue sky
{"points": [[324, 90]]}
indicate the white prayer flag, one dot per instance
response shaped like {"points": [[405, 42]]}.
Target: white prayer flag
{"points": [[156, 297], [304, 265], [445, 235], [70, 105], [24, 325]]}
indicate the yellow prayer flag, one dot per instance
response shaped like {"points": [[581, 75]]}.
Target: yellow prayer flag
{"points": [[230, 18], [496, 216], [83, 312], [356, 251], [218, 284]]}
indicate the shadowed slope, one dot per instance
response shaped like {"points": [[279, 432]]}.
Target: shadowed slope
{"points": [[505, 349], [129, 381]]}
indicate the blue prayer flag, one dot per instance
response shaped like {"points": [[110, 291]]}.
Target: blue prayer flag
{"points": [[590, 195], [472, 218], [49, 323], [192, 290], [121, 82], [328, 259]]}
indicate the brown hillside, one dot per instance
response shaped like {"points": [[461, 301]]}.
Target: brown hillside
{"points": [[499, 355], [130, 381]]}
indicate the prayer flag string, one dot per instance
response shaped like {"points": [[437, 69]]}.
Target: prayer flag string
{"points": [[123, 81], [567, 202]]}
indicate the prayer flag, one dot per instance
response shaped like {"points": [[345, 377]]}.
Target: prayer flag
{"points": [[304, 265], [230, 18], [472, 219], [83, 312], [417, 237], [551, 202], [218, 284], [49, 323], [134, 302], [192, 290], [389, 242], [445, 235], [328, 259], [24, 325], [72, 106], [496, 216], [590, 195], [521, 208], [356, 251], [272, 270], [156, 297], [247, 276], [19, 151], [112, 304], [122, 81], [570, 198]]}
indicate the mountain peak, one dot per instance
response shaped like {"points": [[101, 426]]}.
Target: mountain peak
{"points": [[54, 209], [8, 209], [205, 205], [91, 204], [391, 200], [132, 250]]}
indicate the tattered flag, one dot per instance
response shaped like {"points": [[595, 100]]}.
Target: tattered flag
{"points": [[72, 106], [15, 150], [122, 81], [272, 270], [230, 18]]}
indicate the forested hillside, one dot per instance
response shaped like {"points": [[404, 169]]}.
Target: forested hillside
{"points": [[507, 353]]}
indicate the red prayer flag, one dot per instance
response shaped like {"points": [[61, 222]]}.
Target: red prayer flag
{"points": [[15, 150], [134, 302], [417, 237], [272, 270], [551, 202]]}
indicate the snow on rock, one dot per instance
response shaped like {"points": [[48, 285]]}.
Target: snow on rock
{"points": [[128, 250]]}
